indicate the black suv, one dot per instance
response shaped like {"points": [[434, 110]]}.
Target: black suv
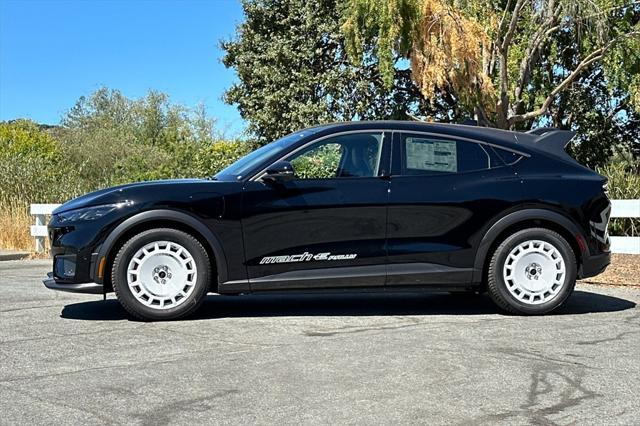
{"points": [[389, 206]]}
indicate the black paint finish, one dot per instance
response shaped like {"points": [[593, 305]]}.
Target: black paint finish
{"points": [[405, 230]]}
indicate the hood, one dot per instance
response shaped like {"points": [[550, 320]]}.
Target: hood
{"points": [[121, 193]]}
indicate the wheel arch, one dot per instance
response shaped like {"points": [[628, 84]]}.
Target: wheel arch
{"points": [[160, 218], [522, 219]]}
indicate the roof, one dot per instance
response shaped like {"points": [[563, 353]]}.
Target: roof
{"points": [[549, 140]]}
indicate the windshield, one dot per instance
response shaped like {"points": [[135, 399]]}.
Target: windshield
{"points": [[246, 164]]}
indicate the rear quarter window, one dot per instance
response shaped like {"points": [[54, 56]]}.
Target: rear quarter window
{"points": [[423, 155]]}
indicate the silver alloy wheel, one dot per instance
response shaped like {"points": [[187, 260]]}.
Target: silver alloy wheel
{"points": [[534, 272], [162, 274]]}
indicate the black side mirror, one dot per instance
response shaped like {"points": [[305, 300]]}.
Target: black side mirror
{"points": [[281, 171]]}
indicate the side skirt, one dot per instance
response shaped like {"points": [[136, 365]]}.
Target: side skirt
{"points": [[410, 289], [408, 277]]}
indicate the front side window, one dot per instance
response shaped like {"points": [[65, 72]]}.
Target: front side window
{"points": [[424, 155], [246, 164], [350, 155]]}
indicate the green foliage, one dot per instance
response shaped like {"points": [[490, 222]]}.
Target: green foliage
{"points": [[318, 163], [30, 163], [217, 155], [23, 138], [391, 23], [517, 39], [605, 123], [293, 72], [623, 184], [107, 139]]}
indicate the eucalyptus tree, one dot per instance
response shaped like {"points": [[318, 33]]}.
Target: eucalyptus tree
{"points": [[293, 72], [508, 61]]}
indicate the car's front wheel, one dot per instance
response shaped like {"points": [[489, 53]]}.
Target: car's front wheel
{"points": [[161, 274], [532, 272]]}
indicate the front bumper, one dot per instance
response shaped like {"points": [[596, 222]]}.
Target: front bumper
{"points": [[594, 265], [87, 288]]}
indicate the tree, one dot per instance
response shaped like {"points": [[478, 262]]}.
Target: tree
{"points": [[606, 125], [506, 61], [293, 72]]}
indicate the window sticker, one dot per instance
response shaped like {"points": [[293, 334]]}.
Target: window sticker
{"points": [[425, 154]]}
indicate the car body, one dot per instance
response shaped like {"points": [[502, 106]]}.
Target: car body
{"points": [[375, 205]]}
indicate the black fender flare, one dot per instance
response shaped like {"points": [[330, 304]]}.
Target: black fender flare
{"points": [[171, 215], [511, 219]]}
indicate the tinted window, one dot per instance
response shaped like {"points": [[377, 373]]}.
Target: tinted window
{"points": [[426, 155], [351, 155], [319, 162], [244, 165]]}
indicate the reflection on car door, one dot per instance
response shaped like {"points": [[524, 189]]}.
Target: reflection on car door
{"points": [[325, 228]]}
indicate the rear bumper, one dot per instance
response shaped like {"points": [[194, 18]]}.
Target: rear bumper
{"points": [[594, 265], [87, 288]]}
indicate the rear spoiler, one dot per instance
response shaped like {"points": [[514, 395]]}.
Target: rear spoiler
{"points": [[552, 140]]}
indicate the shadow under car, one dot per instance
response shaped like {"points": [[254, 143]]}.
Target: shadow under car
{"points": [[375, 304]]}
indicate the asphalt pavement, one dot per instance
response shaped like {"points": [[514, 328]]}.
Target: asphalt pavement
{"points": [[347, 359]]}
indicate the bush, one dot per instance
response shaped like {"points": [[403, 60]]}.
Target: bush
{"points": [[624, 184], [23, 138], [105, 140], [214, 157]]}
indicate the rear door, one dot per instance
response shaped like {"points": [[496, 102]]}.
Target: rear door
{"points": [[443, 192], [327, 227]]}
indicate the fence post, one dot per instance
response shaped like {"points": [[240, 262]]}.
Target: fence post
{"points": [[39, 230], [39, 238]]}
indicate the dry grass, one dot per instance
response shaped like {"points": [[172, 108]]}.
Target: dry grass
{"points": [[15, 222]]}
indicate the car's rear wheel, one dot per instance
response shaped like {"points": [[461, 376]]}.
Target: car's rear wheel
{"points": [[161, 274], [532, 272]]}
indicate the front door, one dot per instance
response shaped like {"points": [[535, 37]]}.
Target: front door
{"points": [[326, 227]]}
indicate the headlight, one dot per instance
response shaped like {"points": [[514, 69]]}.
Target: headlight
{"points": [[88, 213]]}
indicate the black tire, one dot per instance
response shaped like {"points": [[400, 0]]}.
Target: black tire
{"points": [[190, 303], [497, 288]]}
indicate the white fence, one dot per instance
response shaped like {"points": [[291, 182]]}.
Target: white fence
{"points": [[619, 208], [625, 208], [39, 230]]}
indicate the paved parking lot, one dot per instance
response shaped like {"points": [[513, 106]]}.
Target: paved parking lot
{"points": [[357, 359]]}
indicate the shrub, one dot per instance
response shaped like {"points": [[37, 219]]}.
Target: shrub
{"points": [[23, 138], [623, 184], [105, 140], [214, 157]]}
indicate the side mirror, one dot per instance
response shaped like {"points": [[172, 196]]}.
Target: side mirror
{"points": [[281, 171]]}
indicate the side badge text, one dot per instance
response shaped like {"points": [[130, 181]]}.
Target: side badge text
{"points": [[306, 257]]}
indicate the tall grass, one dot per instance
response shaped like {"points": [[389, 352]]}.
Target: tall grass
{"points": [[15, 222]]}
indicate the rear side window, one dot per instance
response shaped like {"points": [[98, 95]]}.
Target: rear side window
{"points": [[424, 155]]}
